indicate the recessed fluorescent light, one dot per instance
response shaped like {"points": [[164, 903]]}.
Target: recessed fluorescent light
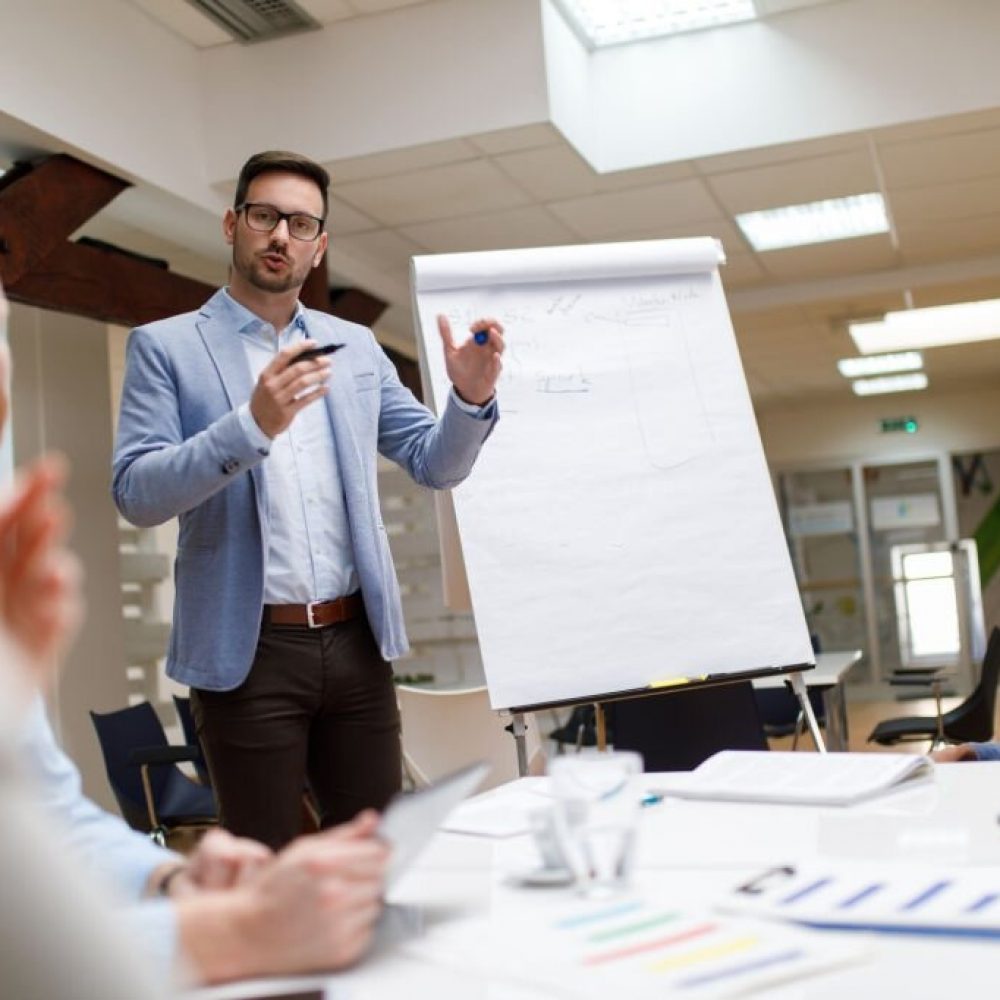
{"points": [[880, 364], [889, 383], [612, 22], [815, 222], [937, 326]]}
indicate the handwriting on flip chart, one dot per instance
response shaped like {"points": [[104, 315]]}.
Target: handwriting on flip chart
{"points": [[601, 306]]}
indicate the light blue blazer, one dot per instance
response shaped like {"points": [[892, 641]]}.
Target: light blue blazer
{"points": [[181, 452]]}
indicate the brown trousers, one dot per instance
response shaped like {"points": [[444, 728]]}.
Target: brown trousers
{"points": [[318, 707]]}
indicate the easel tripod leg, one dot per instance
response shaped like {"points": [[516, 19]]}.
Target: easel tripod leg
{"points": [[802, 693]]}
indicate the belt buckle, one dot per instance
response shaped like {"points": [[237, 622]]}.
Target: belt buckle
{"points": [[311, 616]]}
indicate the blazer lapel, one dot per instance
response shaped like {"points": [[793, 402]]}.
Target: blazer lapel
{"points": [[228, 354], [222, 342]]}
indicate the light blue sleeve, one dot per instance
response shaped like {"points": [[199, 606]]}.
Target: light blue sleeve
{"points": [[104, 843], [157, 471], [986, 751]]}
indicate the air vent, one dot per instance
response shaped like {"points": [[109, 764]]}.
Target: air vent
{"points": [[257, 20]]}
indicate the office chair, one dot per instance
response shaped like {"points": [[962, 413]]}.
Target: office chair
{"points": [[677, 731], [781, 714], [184, 715], [579, 730], [971, 721], [153, 794], [444, 730]]}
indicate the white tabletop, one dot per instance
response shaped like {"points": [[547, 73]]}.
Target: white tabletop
{"points": [[691, 854]]}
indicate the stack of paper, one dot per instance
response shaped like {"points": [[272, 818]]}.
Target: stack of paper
{"points": [[807, 778]]}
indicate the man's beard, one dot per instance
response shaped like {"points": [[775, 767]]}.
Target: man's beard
{"points": [[255, 271]]}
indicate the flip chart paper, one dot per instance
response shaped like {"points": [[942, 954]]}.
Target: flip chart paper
{"points": [[620, 524]]}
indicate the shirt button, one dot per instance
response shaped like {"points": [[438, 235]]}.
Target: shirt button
{"points": [[230, 466]]}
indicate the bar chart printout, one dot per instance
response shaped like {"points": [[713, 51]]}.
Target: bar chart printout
{"points": [[631, 947], [899, 899]]}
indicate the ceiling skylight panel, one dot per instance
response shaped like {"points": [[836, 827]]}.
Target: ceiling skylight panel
{"points": [[613, 22]]}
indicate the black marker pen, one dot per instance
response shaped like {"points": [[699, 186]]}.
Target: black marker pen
{"points": [[316, 352]]}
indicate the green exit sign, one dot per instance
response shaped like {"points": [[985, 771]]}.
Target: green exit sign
{"points": [[903, 425]]}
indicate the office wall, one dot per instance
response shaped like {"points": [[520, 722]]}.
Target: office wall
{"points": [[848, 429], [61, 399]]}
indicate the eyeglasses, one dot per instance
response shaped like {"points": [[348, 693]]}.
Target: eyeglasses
{"points": [[265, 219]]}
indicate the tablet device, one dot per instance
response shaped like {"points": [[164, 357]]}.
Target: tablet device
{"points": [[412, 818]]}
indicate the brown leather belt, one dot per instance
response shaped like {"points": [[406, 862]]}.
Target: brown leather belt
{"points": [[315, 615]]}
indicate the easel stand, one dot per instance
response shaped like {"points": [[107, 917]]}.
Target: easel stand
{"points": [[802, 693], [519, 730]]}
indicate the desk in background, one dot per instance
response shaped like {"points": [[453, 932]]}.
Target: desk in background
{"points": [[828, 676]]}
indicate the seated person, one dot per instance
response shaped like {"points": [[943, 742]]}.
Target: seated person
{"points": [[232, 909], [968, 751]]}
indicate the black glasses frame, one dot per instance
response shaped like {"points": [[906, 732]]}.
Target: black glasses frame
{"points": [[281, 217]]}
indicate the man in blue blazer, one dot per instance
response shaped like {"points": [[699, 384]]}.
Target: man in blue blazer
{"points": [[287, 604]]}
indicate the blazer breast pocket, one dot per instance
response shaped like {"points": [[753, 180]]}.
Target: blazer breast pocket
{"points": [[365, 381]]}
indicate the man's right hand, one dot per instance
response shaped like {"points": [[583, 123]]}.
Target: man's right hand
{"points": [[286, 386]]}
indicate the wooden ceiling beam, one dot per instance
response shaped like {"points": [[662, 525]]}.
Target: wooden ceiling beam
{"points": [[42, 206], [108, 286]]}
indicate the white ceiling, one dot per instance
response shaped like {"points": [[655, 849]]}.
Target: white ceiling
{"points": [[528, 187]]}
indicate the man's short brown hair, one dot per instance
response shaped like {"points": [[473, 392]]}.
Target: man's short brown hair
{"points": [[274, 161]]}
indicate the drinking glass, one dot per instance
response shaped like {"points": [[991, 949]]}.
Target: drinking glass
{"points": [[596, 815]]}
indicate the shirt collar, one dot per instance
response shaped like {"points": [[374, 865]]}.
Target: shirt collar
{"points": [[248, 322]]}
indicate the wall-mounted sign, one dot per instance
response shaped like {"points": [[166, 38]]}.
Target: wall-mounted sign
{"points": [[916, 510], [809, 519], [897, 425]]}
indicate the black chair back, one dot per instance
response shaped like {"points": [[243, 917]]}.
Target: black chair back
{"points": [[120, 733], [132, 740], [973, 720]]}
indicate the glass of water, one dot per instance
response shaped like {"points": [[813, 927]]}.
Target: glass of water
{"points": [[596, 816]]}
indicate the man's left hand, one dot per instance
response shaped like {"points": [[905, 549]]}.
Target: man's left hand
{"points": [[472, 367]]}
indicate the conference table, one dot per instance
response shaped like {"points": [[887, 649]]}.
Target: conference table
{"points": [[828, 676], [463, 925]]}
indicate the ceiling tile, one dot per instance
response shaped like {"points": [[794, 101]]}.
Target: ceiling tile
{"points": [[327, 11], [342, 219], [621, 213], [519, 227], [376, 6], [509, 139], [966, 291], [841, 257], [944, 125], [399, 161], [559, 171], [947, 239], [186, 21], [795, 183], [440, 193], [768, 156], [384, 248], [939, 202], [922, 162], [741, 270]]}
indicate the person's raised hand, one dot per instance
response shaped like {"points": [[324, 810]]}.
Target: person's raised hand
{"points": [[473, 367], [286, 386], [40, 579]]}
